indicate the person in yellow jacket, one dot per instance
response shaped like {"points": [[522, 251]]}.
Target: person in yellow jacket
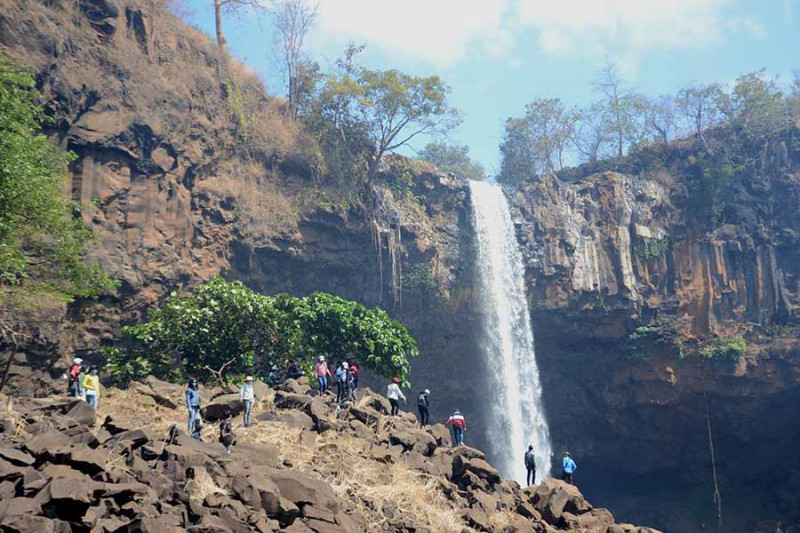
{"points": [[91, 384]]}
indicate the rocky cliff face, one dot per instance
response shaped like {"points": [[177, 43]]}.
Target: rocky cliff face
{"points": [[608, 253], [177, 195]]}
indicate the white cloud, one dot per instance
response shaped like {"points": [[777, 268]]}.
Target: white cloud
{"points": [[438, 31], [444, 32]]}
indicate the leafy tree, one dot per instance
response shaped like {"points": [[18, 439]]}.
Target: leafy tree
{"points": [[755, 105], [42, 238], [699, 106], [620, 107], [227, 323], [538, 142], [455, 159]]}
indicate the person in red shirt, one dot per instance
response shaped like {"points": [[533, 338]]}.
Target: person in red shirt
{"points": [[459, 427]]}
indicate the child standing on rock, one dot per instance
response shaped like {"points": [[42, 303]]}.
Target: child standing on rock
{"points": [[226, 431]]}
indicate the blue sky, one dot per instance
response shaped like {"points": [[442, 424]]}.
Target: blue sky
{"points": [[497, 55]]}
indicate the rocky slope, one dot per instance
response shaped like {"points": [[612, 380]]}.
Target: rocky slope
{"points": [[302, 467]]}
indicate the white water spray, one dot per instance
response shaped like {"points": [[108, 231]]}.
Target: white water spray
{"points": [[517, 414]]}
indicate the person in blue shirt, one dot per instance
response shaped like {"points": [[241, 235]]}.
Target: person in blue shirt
{"points": [[193, 403], [568, 467]]}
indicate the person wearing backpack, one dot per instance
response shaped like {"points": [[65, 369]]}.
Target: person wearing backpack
{"points": [[459, 427], [530, 465], [424, 407], [226, 431], [341, 382], [352, 382], [394, 394], [73, 378]]}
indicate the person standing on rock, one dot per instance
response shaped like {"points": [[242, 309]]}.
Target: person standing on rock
{"points": [[91, 385], [73, 378], [193, 403], [248, 396], [459, 427], [321, 372], [530, 465], [394, 394], [292, 371], [352, 383], [226, 431], [424, 407], [568, 467], [354, 368], [341, 382]]}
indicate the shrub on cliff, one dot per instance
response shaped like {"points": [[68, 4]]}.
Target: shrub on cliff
{"points": [[42, 240], [225, 324]]}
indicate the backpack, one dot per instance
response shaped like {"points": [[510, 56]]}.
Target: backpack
{"points": [[422, 401], [74, 371], [530, 459]]}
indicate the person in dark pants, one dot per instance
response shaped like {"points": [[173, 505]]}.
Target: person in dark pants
{"points": [[292, 371], [530, 465], [424, 407], [341, 382], [226, 431], [568, 467], [394, 394], [459, 427]]}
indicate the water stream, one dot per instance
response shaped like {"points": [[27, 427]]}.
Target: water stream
{"points": [[516, 411]]}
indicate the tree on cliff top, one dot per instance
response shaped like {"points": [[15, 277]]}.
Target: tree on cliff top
{"points": [[42, 239], [452, 158], [231, 5], [226, 323]]}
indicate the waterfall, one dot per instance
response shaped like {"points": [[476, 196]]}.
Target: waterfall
{"points": [[516, 417]]}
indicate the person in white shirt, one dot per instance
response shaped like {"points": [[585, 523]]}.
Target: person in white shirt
{"points": [[248, 397], [394, 394]]}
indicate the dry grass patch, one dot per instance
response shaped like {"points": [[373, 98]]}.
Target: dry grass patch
{"points": [[7, 412], [203, 485], [136, 410], [501, 521]]}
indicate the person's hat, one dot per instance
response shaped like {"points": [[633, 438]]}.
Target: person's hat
{"points": [[77, 360], [566, 453], [321, 358], [395, 380], [344, 365], [427, 391], [249, 378]]}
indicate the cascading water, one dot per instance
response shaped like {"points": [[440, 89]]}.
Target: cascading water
{"points": [[517, 414]]}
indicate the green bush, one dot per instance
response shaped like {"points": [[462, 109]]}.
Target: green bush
{"points": [[227, 323], [649, 249], [418, 278], [662, 331], [730, 349]]}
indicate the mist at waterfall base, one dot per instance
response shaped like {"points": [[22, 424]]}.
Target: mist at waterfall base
{"points": [[516, 418]]}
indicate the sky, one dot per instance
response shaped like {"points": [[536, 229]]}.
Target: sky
{"points": [[498, 55]]}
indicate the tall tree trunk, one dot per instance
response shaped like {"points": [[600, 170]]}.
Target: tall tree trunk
{"points": [[218, 18]]}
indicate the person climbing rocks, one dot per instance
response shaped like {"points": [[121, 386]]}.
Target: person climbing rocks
{"points": [[73, 378], [354, 368], [352, 383], [459, 427], [193, 402], [91, 386], [226, 431], [273, 378], [341, 382], [81, 390], [424, 407], [293, 371], [321, 372], [394, 394], [530, 465], [248, 396], [568, 467]]}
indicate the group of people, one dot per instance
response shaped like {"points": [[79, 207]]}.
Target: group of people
{"points": [[457, 423], [226, 437], [568, 466], [83, 383], [345, 374]]}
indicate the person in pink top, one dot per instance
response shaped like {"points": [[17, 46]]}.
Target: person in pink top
{"points": [[322, 373]]}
